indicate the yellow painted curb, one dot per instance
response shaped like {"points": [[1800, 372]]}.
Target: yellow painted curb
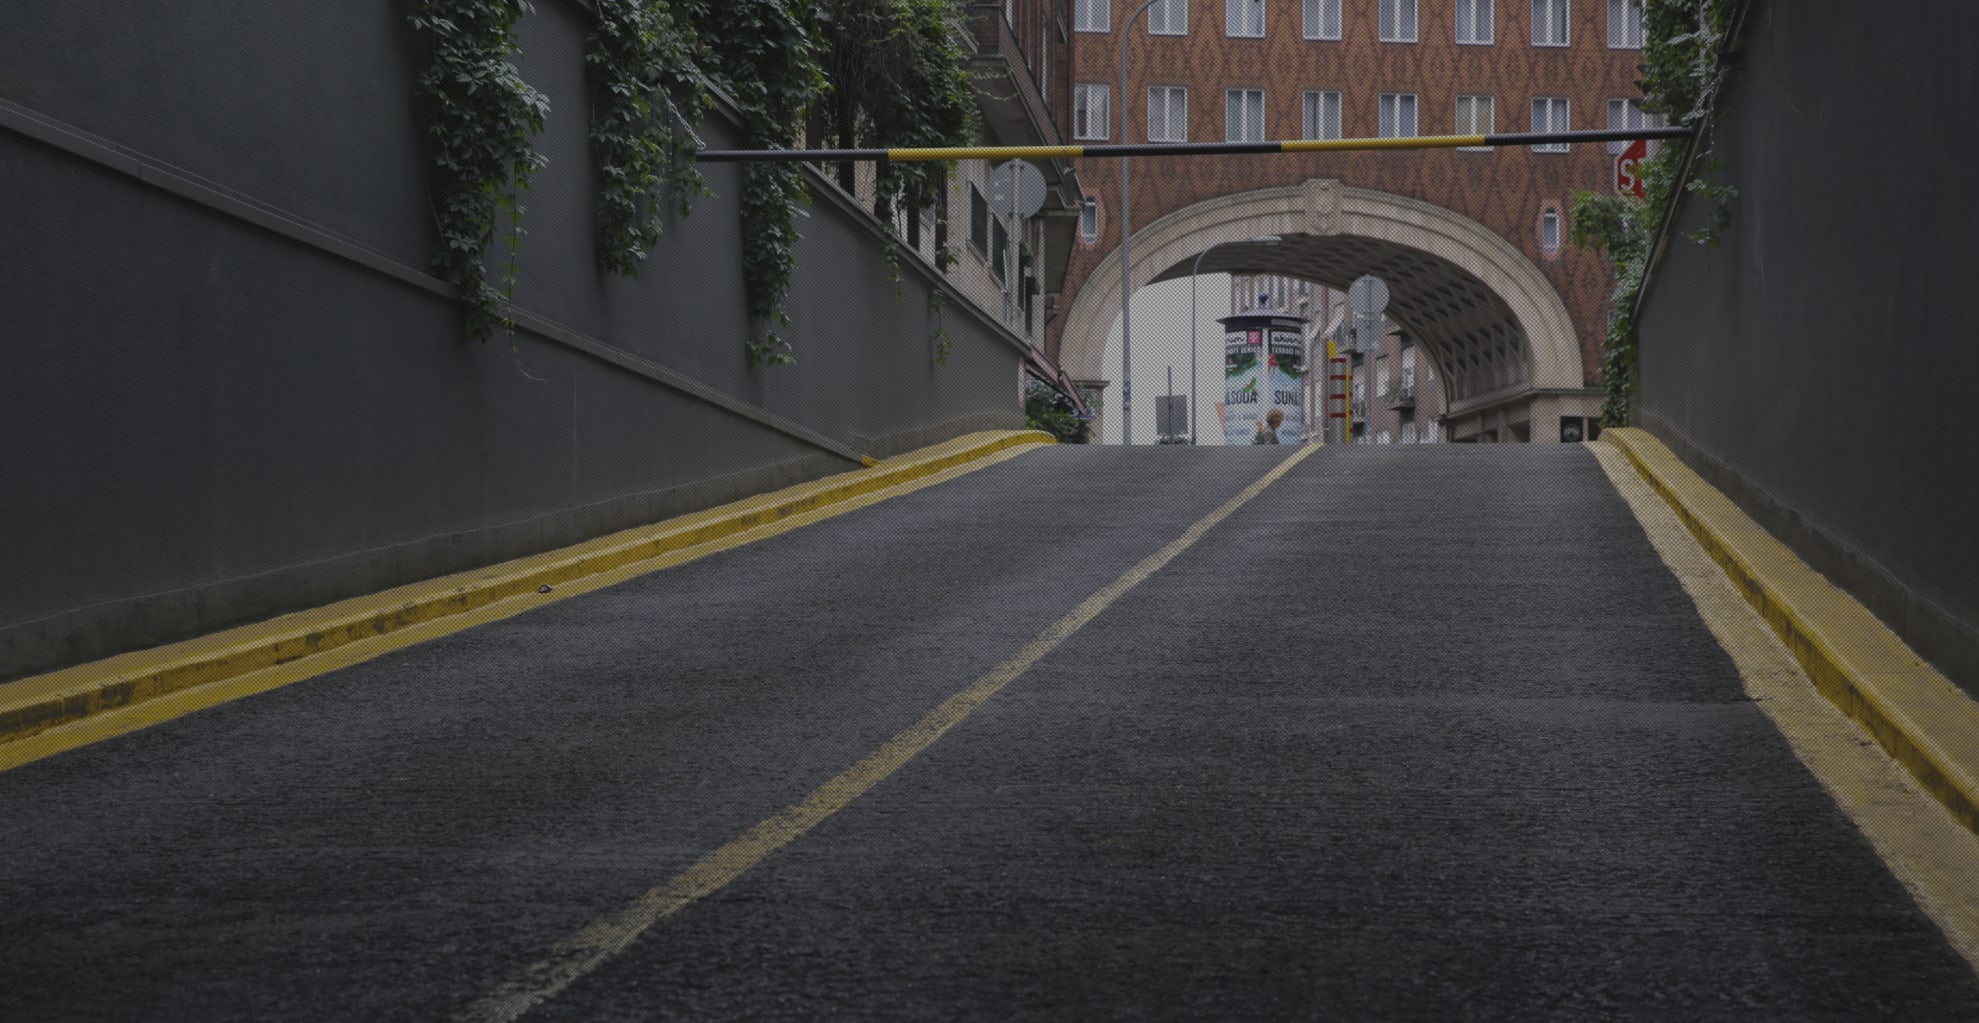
{"points": [[1925, 722], [34, 705]]}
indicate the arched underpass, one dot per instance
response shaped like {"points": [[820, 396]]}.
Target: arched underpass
{"points": [[1497, 333]]}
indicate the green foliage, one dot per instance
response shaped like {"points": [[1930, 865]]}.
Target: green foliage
{"points": [[1683, 70], [944, 342], [765, 53], [882, 73], [1606, 221], [897, 81], [1617, 223], [1718, 196], [1046, 409], [646, 93], [481, 117]]}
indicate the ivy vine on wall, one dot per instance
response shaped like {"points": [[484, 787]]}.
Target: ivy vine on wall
{"points": [[481, 117], [646, 93], [898, 81], [765, 53], [880, 73], [1684, 66]]}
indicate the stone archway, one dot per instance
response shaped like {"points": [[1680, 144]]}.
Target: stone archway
{"points": [[1498, 333]]}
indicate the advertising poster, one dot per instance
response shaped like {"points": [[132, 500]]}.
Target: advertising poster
{"points": [[1263, 369], [1244, 383], [1287, 372]]}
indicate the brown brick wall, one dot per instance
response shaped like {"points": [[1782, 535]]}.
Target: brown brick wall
{"points": [[1505, 190]]}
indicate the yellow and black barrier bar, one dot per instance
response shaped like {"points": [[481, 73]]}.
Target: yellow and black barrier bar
{"points": [[1515, 138]]}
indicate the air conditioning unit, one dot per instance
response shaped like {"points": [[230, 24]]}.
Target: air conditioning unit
{"points": [[1573, 430]]}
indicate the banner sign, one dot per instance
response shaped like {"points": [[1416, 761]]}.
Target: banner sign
{"points": [[1263, 367]]}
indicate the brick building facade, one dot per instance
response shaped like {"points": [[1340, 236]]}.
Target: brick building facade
{"points": [[1213, 70]]}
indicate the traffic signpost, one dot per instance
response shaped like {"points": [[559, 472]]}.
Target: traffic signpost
{"points": [[1016, 190], [1628, 168]]}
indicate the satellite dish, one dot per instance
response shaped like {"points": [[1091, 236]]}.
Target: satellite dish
{"points": [[1016, 189], [1368, 295]]}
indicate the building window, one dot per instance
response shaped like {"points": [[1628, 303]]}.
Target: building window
{"points": [[1243, 115], [1625, 24], [1628, 113], [1322, 18], [1474, 22], [1089, 221], [1169, 18], [1168, 114], [1549, 22], [1398, 115], [1089, 113], [1243, 19], [1549, 113], [1398, 21], [979, 218], [1476, 115], [1092, 15], [1549, 232], [1322, 115], [1044, 65], [1001, 253]]}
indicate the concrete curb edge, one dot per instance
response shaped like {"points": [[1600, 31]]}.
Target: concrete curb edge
{"points": [[38, 703], [1918, 716]]}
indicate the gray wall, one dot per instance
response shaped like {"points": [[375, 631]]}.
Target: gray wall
{"points": [[1820, 366], [211, 415]]}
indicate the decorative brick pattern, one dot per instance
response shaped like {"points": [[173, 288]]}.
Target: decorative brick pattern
{"points": [[1505, 191]]}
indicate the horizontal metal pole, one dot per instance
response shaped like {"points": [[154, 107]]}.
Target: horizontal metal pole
{"points": [[1518, 138]]}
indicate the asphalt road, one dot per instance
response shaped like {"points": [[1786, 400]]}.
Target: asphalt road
{"points": [[1417, 733]]}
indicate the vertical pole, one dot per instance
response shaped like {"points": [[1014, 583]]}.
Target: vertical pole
{"points": [[1003, 262], [1192, 342], [1347, 424], [1340, 364], [1309, 400], [1171, 397], [1336, 382], [1127, 246], [1037, 265], [1013, 293], [1126, 253], [1267, 398]]}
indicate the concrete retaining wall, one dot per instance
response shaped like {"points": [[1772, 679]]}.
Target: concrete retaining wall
{"points": [[1820, 365], [230, 388]]}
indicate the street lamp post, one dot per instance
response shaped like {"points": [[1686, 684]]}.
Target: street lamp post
{"points": [[1127, 246], [1269, 239]]}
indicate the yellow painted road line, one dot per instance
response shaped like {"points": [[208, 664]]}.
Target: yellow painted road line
{"points": [[1928, 724], [1925, 847], [575, 956], [49, 714]]}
